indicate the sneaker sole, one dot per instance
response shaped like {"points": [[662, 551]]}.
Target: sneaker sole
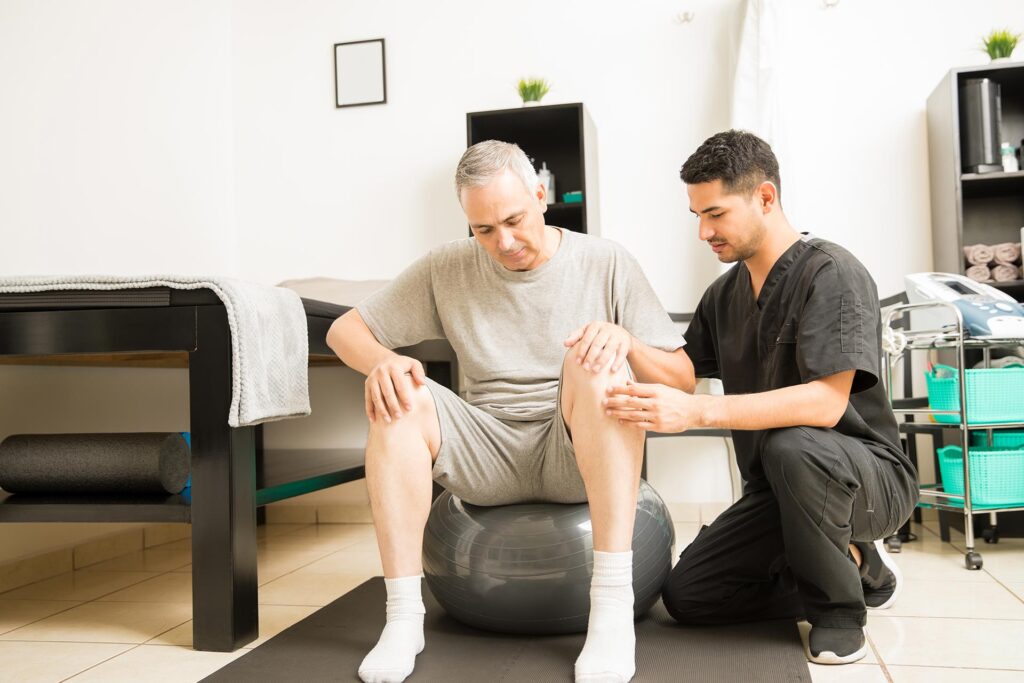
{"points": [[894, 568], [828, 657]]}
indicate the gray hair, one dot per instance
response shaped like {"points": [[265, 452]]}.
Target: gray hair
{"points": [[484, 160]]}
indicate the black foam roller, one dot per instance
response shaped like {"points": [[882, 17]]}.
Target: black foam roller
{"points": [[94, 463]]}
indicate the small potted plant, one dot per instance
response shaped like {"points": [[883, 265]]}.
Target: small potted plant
{"points": [[1000, 44], [532, 90]]}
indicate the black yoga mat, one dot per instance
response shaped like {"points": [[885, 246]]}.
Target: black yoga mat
{"points": [[329, 645], [152, 462]]}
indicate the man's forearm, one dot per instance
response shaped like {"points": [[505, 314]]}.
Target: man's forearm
{"points": [[654, 366], [354, 343], [815, 404]]}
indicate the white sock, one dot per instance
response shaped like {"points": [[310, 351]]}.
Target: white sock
{"points": [[394, 656], [609, 655]]}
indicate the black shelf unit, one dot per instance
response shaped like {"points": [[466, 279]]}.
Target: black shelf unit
{"points": [[972, 208], [562, 136]]}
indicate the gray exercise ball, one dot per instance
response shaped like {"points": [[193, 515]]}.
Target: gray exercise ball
{"points": [[527, 568]]}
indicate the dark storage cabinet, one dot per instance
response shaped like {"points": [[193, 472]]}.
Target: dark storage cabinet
{"points": [[563, 137], [971, 208]]}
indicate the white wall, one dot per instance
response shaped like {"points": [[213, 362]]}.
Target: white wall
{"points": [[115, 137], [352, 180], [857, 79], [371, 187], [201, 136]]}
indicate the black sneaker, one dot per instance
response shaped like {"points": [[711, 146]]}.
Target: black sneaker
{"points": [[879, 575], [828, 645]]}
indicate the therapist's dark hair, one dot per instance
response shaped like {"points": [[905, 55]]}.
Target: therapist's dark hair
{"points": [[741, 160]]}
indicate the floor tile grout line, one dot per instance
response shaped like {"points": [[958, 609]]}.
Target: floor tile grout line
{"points": [[36, 621], [88, 668], [960, 668], [878, 657], [924, 616], [168, 631]]}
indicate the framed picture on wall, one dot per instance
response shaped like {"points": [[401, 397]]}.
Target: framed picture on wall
{"points": [[359, 74]]}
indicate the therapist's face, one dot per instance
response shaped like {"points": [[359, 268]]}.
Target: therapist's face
{"points": [[733, 225], [508, 220]]}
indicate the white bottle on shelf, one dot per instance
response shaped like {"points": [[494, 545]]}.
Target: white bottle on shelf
{"points": [[1009, 154], [547, 179]]}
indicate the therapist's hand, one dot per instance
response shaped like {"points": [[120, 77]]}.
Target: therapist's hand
{"points": [[389, 387], [653, 407], [601, 346]]}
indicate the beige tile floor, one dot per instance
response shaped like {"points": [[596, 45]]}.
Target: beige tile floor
{"points": [[129, 619]]}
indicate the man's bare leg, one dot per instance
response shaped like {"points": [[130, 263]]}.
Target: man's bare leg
{"points": [[399, 458], [609, 456]]}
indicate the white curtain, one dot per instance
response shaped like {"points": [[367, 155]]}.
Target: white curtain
{"points": [[755, 91]]}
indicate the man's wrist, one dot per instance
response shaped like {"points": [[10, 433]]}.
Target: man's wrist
{"points": [[709, 411]]}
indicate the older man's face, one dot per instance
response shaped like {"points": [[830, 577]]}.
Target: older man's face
{"points": [[507, 220]]}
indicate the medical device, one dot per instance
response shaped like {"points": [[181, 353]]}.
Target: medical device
{"points": [[987, 312]]}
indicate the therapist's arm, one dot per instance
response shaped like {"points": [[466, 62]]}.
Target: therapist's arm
{"points": [[657, 408], [603, 346], [654, 366]]}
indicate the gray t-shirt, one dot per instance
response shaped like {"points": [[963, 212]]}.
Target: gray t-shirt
{"points": [[507, 327]]}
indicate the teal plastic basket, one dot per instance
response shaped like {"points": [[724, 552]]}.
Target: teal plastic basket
{"points": [[993, 394], [997, 475], [1001, 438]]}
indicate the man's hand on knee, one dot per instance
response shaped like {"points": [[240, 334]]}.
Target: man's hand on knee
{"points": [[390, 386], [600, 345], [653, 407]]}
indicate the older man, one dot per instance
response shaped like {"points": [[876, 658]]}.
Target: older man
{"points": [[511, 300]]}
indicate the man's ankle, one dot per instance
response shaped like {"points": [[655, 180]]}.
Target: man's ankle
{"points": [[855, 554]]}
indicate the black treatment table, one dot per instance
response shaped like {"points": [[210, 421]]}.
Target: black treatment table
{"points": [[232, 475]]}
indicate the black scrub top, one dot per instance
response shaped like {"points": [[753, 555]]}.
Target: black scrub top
{"points": [[817, 315]]}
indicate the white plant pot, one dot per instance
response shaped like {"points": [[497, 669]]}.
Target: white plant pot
{"points": [[531, 103]]}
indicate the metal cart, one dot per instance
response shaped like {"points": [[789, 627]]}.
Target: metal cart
{"points": [[905, 339]]}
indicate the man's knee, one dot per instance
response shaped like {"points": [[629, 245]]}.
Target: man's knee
{"points": [[577, 377], [784, 452], [682, 597], [422, 419]]}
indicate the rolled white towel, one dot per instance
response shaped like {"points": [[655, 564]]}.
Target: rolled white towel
{"points": [[1007, 253], [978, 254], [979, 273], [1005, 273]]}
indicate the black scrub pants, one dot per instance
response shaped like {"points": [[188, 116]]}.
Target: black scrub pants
{"points": [[781, 551]]}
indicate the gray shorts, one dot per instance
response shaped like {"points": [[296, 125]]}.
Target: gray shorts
{"points": [[485, 460]]}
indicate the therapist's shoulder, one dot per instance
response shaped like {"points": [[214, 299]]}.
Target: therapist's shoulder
{"points": [[837, 264]]}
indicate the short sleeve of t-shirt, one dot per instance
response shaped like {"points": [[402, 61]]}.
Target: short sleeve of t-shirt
{"points": [[405, 312], [700, 342], [638, 310], [838, 328]]}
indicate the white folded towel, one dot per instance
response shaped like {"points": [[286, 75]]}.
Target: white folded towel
{"points": [[979, 273], [978, 254], [269, 340], [1007, 253], [1005, 273]]}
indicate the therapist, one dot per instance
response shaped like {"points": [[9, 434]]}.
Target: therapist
{"points": [[793, 332]]}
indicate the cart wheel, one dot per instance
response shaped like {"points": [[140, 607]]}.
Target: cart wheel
{"points": [[991, 535], [893, 544], [973, 560]]}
